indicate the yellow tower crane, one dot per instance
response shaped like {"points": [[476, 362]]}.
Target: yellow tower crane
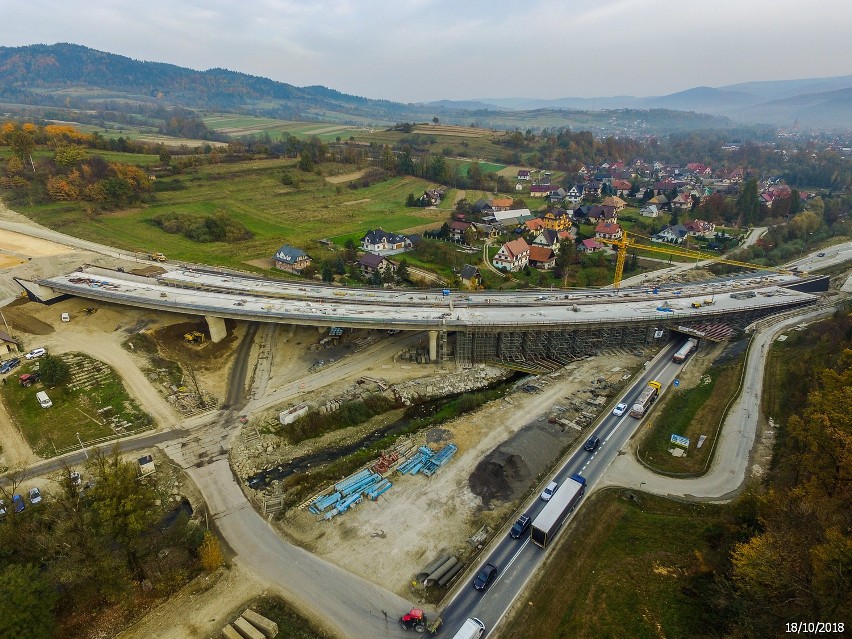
{"points": [[621, 253]]}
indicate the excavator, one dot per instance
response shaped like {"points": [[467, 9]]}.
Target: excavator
{"points": [[194, 337]]}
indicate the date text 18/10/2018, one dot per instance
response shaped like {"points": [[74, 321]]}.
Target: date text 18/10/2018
{"points": [[814, 627]]}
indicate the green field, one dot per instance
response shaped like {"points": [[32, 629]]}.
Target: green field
{"points": [[74, 411], [251, 193], [485, 167]]}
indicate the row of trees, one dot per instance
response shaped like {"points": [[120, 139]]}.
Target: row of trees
{"points": [[795, 560]]}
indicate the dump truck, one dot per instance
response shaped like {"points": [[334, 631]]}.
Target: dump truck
{"points": [[553, 515], [685, 350], [652, 390], [157, 257]]}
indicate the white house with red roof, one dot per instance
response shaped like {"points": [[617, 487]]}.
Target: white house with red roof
{"points": [[608, 231], [513, 256], [589, 246], [700, 228]]}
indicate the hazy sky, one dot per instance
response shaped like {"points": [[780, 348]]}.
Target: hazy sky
{"points": [[422, 50]]}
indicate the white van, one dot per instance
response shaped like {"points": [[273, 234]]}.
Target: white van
{"points": [[43, 399], [472, 629]]}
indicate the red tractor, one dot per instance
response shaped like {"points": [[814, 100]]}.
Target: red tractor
{"points": [[415, 620]]}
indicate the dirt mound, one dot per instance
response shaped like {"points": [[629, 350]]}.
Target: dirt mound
{"points": [[19, 319], [170, 341], [506, 473], [499, 477]]}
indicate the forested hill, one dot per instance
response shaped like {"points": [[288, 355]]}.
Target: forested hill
{"points": [[44, 75]]}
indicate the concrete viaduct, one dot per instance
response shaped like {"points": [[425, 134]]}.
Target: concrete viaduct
{"points": [[528, 330]]}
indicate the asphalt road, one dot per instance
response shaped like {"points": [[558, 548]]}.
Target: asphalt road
{"points": [[519, 559]]}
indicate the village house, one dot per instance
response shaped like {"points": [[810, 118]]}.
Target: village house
{"points": [[650, 210], [542, 258], [371, 263], [621, 188], [575, 193], [512, 216], [501, 203], [523, 174], [557, 196], [431, 197], [682, 201], [289, 258], [608, 231], [519, 186], [458, 228], [470, 276], [600, 213], [548, 239], [513, 256], [593, 188], [533, 225], [589, 246], [558, 220], [486, 231], [615, 202], [383, 242], [671, 234], [700, 228], [540, 190]]}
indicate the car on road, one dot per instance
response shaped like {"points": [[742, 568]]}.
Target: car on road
{"points": [[820, 254], [619, 410], [485, 577], [592, 444], [18, 503], [9, 364], [521, 526], [548, 492], [34, 495], [36, 353]]}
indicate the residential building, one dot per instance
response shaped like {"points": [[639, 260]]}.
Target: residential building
{"points": [[501, 203], [671, 234], [547, 238], [700, 228], [513, 256], [615, 202], [291, 259], [540, 190], [458, 228], [589, 246], [523, 174], [608, 231], [372, 262], [558, 220], [650, 210], [379, 241], [575, 193], [542, 258], [470, 276]]}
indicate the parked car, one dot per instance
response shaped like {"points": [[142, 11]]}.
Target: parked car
{"points": [[485, 577], [521, 526], [36, 353], [35, 495], [18, 503], [9, 364], [820, 254], [65, 317], [619, 410], [548, 492], [592, 444]]}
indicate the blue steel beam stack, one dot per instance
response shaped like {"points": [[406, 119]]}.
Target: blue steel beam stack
{"points": [[439, 459]]}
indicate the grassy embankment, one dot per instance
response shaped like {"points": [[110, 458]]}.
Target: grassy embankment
{"points": [[691, 412]]}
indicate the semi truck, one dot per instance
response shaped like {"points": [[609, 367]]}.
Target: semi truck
{"points": [[553, 515], [685, 350], [652, 390]]}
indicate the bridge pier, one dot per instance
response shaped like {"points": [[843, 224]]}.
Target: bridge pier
{"points": [[433, 346], [216, 326]]}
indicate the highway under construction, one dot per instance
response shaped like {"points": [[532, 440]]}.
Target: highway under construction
{"points": [[532, 330]]}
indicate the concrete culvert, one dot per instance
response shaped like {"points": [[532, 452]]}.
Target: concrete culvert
{"points": [[443, 581], [440, 572], [432, 567]]}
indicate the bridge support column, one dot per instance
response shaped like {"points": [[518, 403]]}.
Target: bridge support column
{"points": [[216, 325], [433, 346]]}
